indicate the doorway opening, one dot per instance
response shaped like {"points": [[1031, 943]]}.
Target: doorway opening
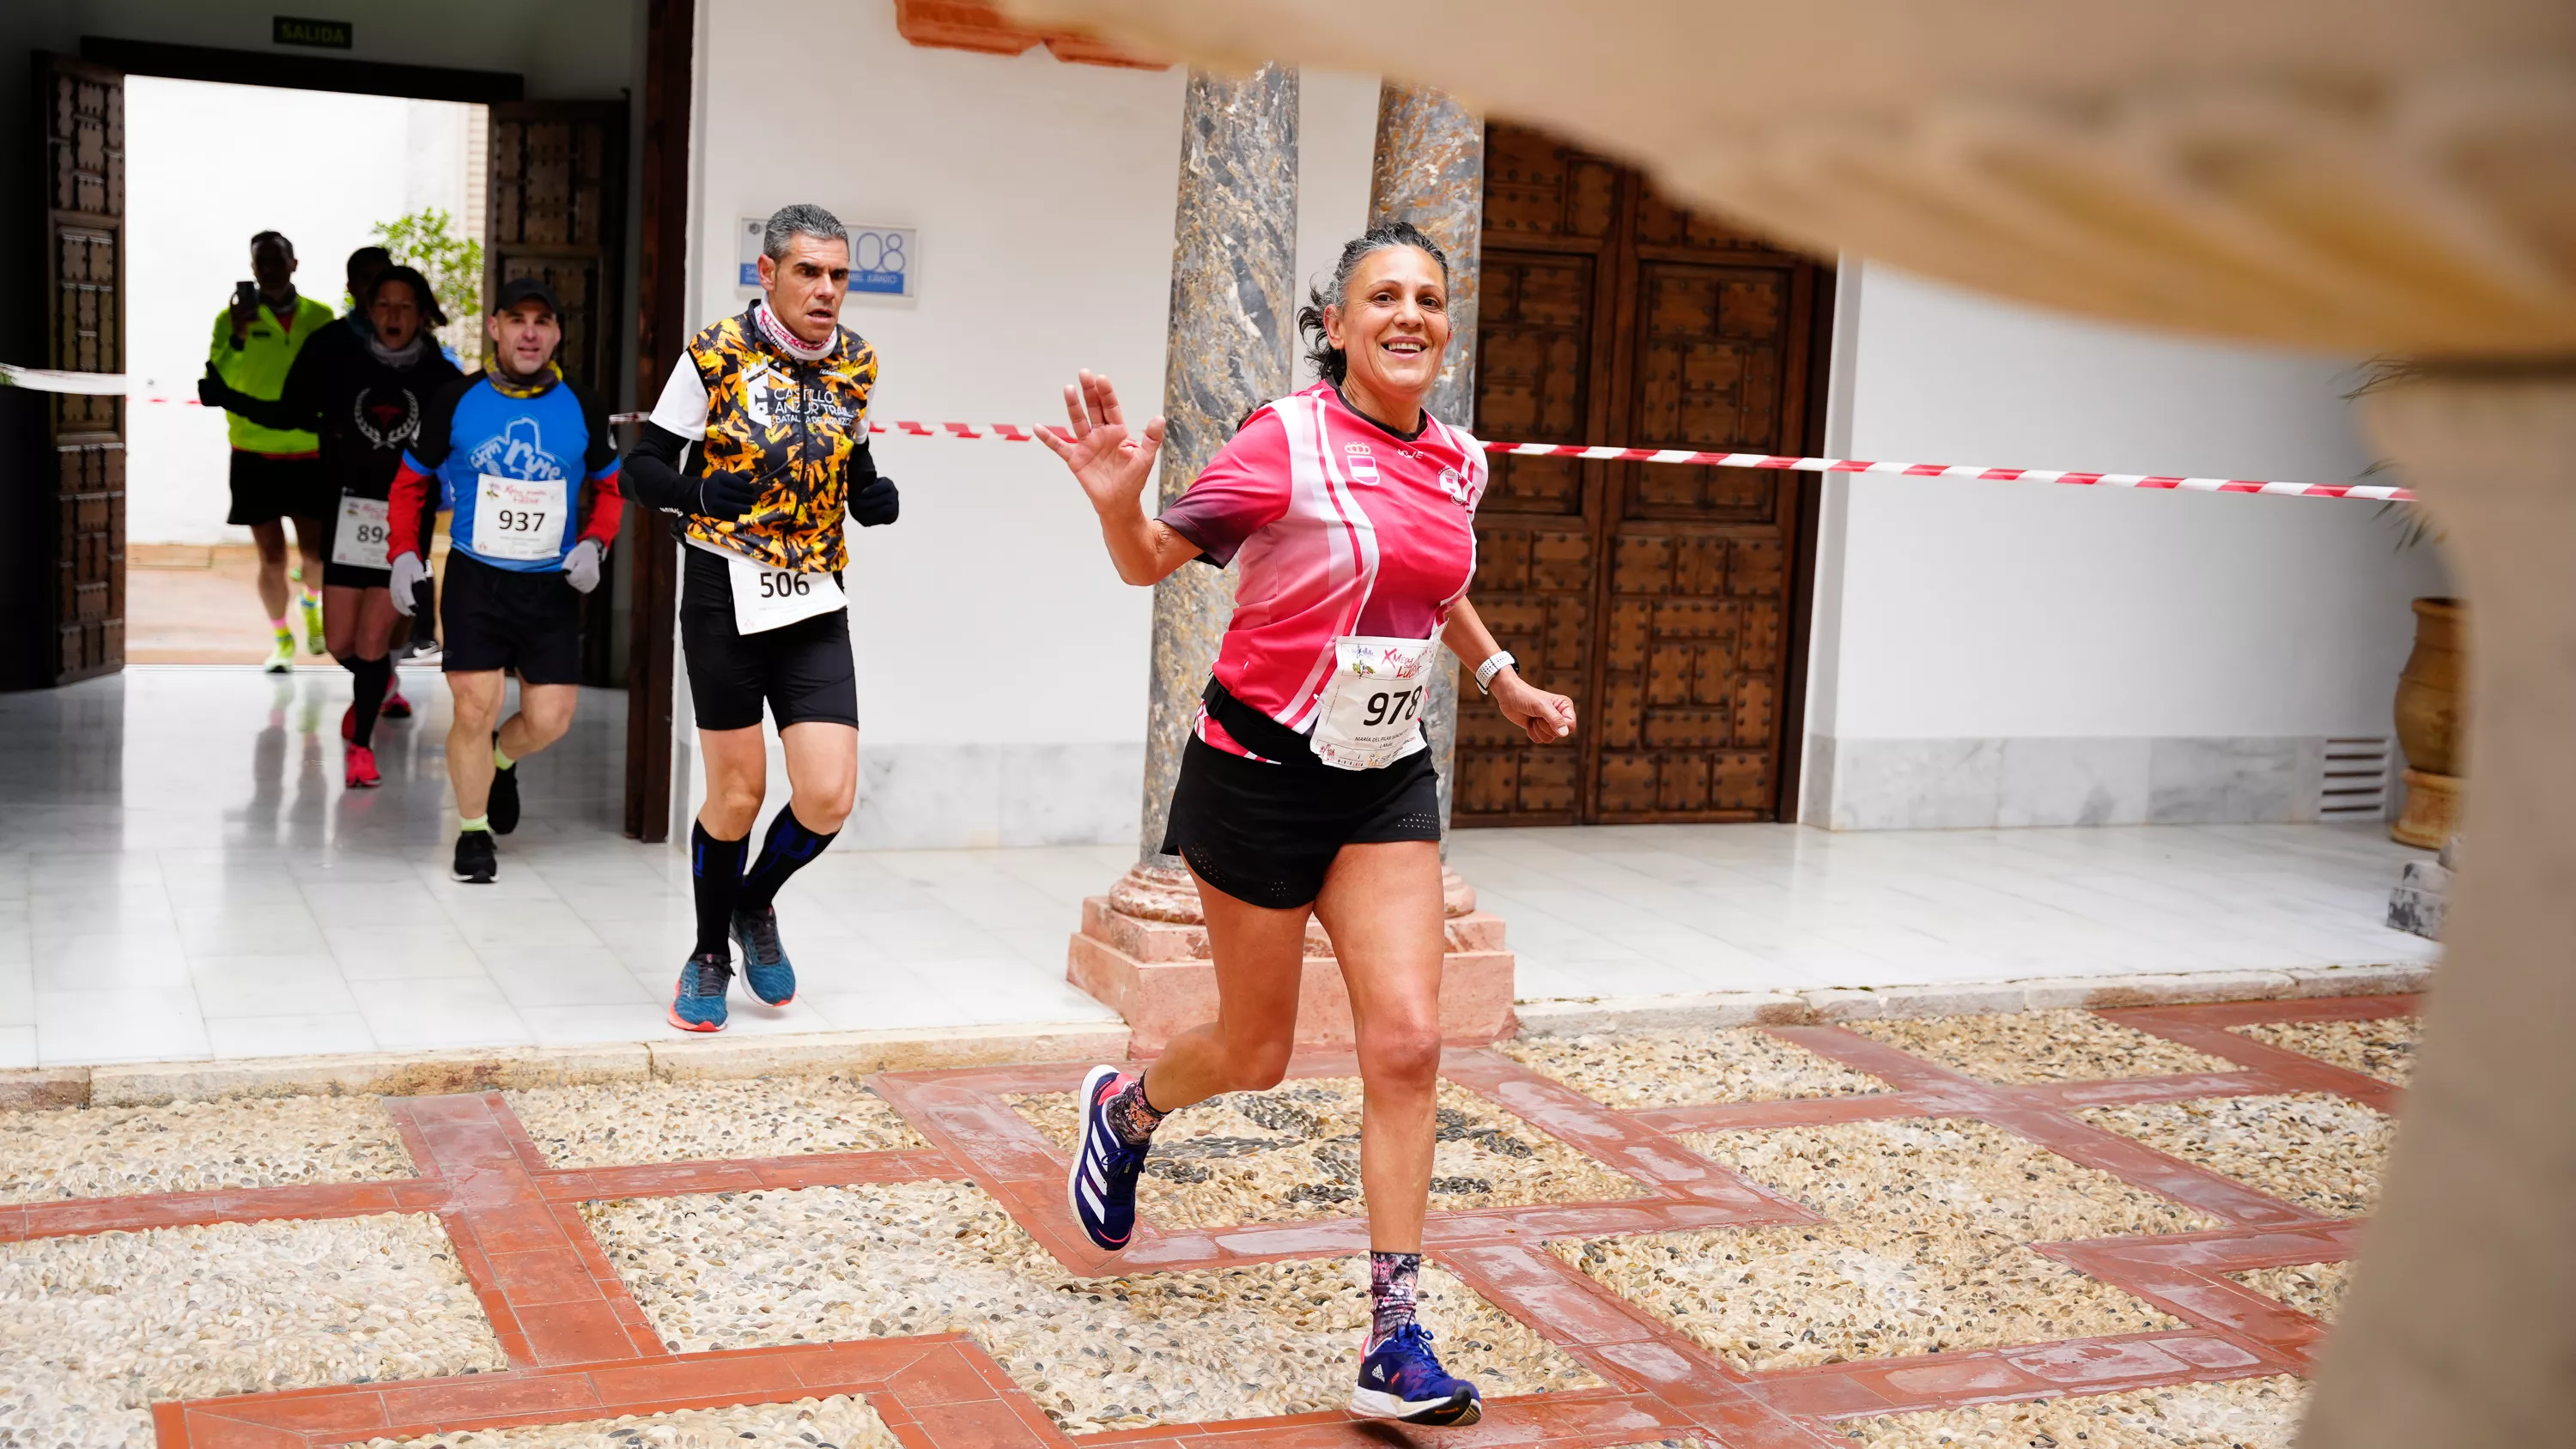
{"points": [[208, 165], [158, 171], [1671, 602]]}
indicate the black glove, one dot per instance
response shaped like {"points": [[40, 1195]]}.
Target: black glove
{"points": [[212, 390], [724, 495], [876, 502]]}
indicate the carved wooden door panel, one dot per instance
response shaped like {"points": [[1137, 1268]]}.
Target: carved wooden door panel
{"points": [[1688, 722], [84, 281], [556, 210], [1549, 220], [1666, 600]]}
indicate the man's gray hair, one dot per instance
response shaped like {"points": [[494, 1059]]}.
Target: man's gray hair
{"points": [[805, 219]]}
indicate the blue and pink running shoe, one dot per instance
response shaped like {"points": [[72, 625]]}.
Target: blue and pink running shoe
{"points": [[1402, 1379], [1101, 1184]]}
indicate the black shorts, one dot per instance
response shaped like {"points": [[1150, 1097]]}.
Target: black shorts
{"points": [[804, 671], [347, 576], [502, 619], [266, 489], [1266, 833]]}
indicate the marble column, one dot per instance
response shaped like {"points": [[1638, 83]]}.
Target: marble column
{"points": [[1233, 331], [1143, 947], [1430, 171]]}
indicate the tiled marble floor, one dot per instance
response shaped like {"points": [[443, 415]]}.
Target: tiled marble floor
{"points": [[182, 876]]}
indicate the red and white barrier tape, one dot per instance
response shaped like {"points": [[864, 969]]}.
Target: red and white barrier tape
{"points": [[1016, 433], [2371, 491], [96, 383]]}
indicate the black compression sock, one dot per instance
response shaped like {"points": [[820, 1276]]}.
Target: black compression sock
{"points": [[369, 677], [786, 849], [715, 867]]}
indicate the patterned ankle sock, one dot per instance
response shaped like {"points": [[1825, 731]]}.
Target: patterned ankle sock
{"points": [[1131, 1116], [1392, 1279]]}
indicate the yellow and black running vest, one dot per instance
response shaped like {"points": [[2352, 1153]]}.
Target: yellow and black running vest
{"points": [[789, 425]]}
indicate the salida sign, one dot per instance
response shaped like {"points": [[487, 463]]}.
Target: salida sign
{"points": [[319, 34]]}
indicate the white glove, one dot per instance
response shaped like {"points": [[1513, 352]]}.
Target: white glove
{"points": [[408, 572], [581, 566]]}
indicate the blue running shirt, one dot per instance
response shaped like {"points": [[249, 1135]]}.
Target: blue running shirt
{"points": [[513, 465]]}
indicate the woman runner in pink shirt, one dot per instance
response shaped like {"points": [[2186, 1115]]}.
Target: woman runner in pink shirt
{"points": [[1306, 786]]}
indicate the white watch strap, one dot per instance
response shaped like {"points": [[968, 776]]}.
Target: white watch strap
{"points": [[1500, 660]]}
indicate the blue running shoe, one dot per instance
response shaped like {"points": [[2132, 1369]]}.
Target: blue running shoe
{"points": [[698, 1004], [765, 967], [1101, 1184], [1402, 1379]]}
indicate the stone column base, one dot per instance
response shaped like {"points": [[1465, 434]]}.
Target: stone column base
{"points": [[1156, 972]]}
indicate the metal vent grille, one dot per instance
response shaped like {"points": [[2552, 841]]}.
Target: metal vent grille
{"points": [[2355, 786]]}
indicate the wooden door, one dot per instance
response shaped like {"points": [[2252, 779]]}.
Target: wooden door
{"points": [[1668, 601], [556, 209], [84, 217], [661, 330]]}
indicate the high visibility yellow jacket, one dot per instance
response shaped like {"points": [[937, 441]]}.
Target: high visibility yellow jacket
{"points": [[258, 367]]}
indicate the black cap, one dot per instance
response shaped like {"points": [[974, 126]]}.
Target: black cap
{"points": [[521, 289]]}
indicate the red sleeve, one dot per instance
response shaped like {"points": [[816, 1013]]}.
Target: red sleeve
{"points": [[402, 516], [1243, 489], [607, 508]]}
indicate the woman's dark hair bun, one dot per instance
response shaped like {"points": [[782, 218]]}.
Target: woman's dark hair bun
{"points": [[1329, 361]]}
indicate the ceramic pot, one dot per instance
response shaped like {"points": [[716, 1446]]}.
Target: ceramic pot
{"points": [[2431, 726]]}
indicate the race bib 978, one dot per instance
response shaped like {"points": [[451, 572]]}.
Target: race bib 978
{"points": [[1373, 703]]}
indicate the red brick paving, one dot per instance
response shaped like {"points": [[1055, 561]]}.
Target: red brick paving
{"points": [[580, 1347]]}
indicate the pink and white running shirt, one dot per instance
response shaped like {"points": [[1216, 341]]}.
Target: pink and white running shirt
{"points": [[1336, 526]]}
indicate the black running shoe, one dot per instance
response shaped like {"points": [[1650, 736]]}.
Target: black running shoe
{"points": [[476, 861], [503, 808]]}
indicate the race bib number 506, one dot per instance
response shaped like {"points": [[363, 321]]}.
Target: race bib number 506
{"points": [[766, 599]]}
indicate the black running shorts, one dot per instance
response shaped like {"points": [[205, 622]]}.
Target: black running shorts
{"points": [[347, 576], [501, 619], [266, 489], [1266, 833], [803, 672]]}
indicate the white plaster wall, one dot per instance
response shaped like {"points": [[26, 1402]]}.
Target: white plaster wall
{"points": [[346, 162], [1985, 612], [1002, 666]]}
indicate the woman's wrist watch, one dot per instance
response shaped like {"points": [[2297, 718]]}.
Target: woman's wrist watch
{"points": [[1501, 660]]}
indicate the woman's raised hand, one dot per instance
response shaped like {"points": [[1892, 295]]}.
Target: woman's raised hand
{"points": [[1108, 461]]}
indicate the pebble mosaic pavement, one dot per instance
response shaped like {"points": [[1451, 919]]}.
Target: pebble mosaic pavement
{"points": [[2206, 1266]]}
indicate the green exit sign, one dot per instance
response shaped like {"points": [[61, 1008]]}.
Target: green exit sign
{"points": [[322, 34]]}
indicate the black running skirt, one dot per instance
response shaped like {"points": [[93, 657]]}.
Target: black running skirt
{"points": [[1267, 833]]}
